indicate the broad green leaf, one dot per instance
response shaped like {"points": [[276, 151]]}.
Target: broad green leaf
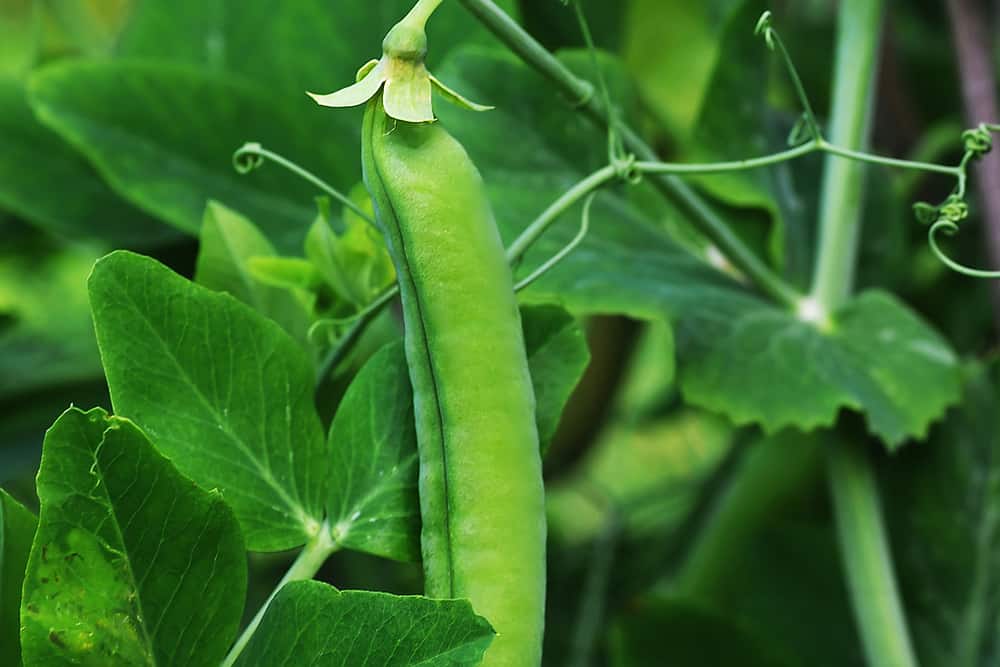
{"points": [[737, 121], [229, 244], [163, 136], [372, 504], [46, 337], [759, 364], [879, 358], [943, 505], [17, 528], [557, 356], [671, 45], [34, 161], [132, 563], [313, 45], [665, 632], [225, 393], [20, 24], [312, 623]]}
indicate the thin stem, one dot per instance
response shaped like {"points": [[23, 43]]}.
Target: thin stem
{"points": [[539, 225], [336, 354], [861, 156], [251, 155], [863, 545], [674, 189], [733, 165], [800, 90], [306, 565], [562, 254]]}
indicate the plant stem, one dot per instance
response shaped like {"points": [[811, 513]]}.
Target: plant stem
{"points": [[771, 473], [422, 11], [865, 550], [861, 534], [306, 565], [674, 189], [843, 180]]}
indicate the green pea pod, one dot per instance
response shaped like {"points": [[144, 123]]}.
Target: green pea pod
{"points": [[481, 493]]}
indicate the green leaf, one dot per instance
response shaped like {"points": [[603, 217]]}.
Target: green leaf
{"points": [[307, 45], [284, 272], [221, 390], [878, 358], [17, 528], [373, 504], [21, 26], [649, 476], [664, 632], [132, 563], [34, 160], [943, 505], [354, 262], [229, 245], [39, 279], [671, 45], [557, 356], [737, 120], [163, 137], [312, 623]]}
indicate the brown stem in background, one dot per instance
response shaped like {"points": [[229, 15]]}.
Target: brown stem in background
{"points": [[971, 33]]}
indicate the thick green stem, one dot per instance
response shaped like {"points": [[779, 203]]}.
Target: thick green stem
{"points": [[672, 187], [772, 472], [305, 567], [864, 547], [843, 180], [867, 560]]}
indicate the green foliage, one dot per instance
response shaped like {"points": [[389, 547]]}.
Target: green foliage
{"points": [[17, 529], [85, 207], [222, 391], [39, 278], [943, 500], [678, 534], [309, 619], [132, 563]]}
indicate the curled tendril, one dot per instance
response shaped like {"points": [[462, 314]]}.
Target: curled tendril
{"points": [[252, 155], [248, 157], [764, 28], [949, 228], [978, 140]]}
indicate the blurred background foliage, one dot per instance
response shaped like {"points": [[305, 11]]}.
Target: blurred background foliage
{"points": [[676, 537]]}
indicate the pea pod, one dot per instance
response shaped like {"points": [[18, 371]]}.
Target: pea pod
{"points": [[481, 493]]}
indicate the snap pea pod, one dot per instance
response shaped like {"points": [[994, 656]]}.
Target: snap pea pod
{"points": [[481, 494]]}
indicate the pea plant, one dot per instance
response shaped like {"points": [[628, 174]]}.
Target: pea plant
{"points": [[415, 420]]}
